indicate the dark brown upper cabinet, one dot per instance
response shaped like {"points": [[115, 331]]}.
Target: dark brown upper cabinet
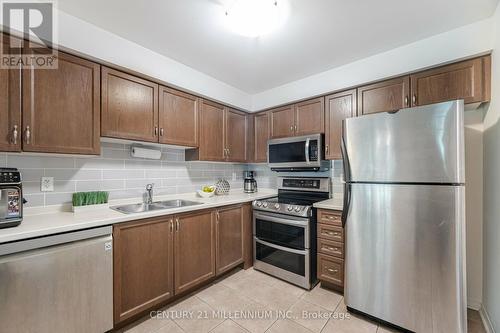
{"points": [[261, 136], [229, 238], [10, 106], [282, 122], [467, 80], [384, 96], [61, 107], [235, 129], [307, 117], [143, 265], [339, 106], [223, 134], [310, 117], [178, 118], [194, 248], [129, 107]]}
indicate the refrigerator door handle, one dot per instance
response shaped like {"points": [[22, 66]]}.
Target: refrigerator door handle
{"points": [[347, 178]]}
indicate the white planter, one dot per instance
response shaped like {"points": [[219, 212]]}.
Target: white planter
{"points": [[89, 208]]}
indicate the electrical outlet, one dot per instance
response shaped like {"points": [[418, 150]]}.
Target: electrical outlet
{"points": [[234, 176], [47, 184]]}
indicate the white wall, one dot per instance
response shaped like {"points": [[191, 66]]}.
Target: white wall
{"points": [[459, 43], [89, 39], [491, 263]]}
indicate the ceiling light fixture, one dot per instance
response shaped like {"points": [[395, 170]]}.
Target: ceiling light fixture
{"points": [[254, 18]]}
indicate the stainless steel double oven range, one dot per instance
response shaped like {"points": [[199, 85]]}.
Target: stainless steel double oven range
{"points": [[284, 229]]}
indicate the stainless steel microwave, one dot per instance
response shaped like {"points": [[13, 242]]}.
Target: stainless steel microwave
{"points": [[300, 153]]}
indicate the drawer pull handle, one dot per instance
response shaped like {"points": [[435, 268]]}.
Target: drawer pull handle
{"points": [[329, 248], [331, 270]]}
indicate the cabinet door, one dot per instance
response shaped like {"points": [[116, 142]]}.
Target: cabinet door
{"points": [[194, 248], [229, 231], [211, 132], [282, 122], [310, 117], [129, 107], [61, 107], [143, 265], [250, 138], [384, 96], [235, 135], [261, 136], [10, 105], [463, 80], [339, 106], [178, 118]]}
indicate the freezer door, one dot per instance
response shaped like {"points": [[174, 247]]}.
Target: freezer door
{"points": [[405, 255], [417, 145]]}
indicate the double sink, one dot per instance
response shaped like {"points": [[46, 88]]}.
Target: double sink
{"points": [[157, 205]]}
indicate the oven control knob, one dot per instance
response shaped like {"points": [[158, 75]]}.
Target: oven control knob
{"points": [[264, 205], [298, 208], [289, 208], [277, 206], [258, 203]]}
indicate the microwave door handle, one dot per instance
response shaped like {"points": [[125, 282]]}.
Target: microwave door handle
{"points": [[307, 150]]}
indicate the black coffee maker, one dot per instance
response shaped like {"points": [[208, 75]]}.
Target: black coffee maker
{"points": [[250, 184]]}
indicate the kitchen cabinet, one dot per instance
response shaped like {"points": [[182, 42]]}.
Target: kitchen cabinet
{"points": [[330, 238], [235, 135], [10, 106], [468, 80], [384, 96], [223, 134], [307, 117], [229, 238], [143, 265], [129, 107], [339, 106], [194, 248], [261, 136], [282, 122], [310, 117], [178, 118], [60, 110]]}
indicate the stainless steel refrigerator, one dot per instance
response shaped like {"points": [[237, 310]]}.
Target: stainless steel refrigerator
{"points": [[404, 214]]}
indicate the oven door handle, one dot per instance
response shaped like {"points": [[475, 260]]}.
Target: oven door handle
{"points": [[295, 222], [278, 247]]}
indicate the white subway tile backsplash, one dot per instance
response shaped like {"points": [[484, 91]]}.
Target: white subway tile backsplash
{"points": [[99, 163], [58, 198], [34, 200], [32, 174], [122, 174], [73, 174], [39, 162], [3, 160]]}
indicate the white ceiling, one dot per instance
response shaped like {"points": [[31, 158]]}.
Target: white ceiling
{"points": [[318, 35]]}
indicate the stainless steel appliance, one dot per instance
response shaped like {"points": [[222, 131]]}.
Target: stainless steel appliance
{"points": [[11, 198], [250, 184], [404, 217], [60, 283], [284, 229], [300, 153]]}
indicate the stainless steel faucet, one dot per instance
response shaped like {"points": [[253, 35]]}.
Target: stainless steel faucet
{"points": [[149, 194]]}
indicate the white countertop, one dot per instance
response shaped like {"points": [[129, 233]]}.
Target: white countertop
{"points": [[39, 222], [334, 204]]}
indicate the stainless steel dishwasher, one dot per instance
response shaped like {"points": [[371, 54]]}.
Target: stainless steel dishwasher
{"points": [[60, 283]]}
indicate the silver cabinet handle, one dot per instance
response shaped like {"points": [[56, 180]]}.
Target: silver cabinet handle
{"points": [[291, 128], [326, 149], [28, 134], [171, 226], [177, 225], [406, 100], [14, 135], [228, 152], [161, 131], [156, 131], [333, 270], [295, 128], [414, 99], [217, 216]]}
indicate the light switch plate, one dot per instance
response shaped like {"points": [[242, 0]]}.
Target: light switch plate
{"points": [[47, 184]]}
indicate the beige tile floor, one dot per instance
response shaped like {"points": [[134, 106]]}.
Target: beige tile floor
{"points": [[276, 307]]}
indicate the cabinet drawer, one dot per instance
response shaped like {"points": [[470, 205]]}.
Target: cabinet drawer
{"points": [[331, 269], [330, 217], [330, 232], [332, 248]]}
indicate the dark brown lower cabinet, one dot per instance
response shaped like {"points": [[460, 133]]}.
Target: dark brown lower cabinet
{"points": [[229, 232], [194, 248], [331, 250], [143, 265]]}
